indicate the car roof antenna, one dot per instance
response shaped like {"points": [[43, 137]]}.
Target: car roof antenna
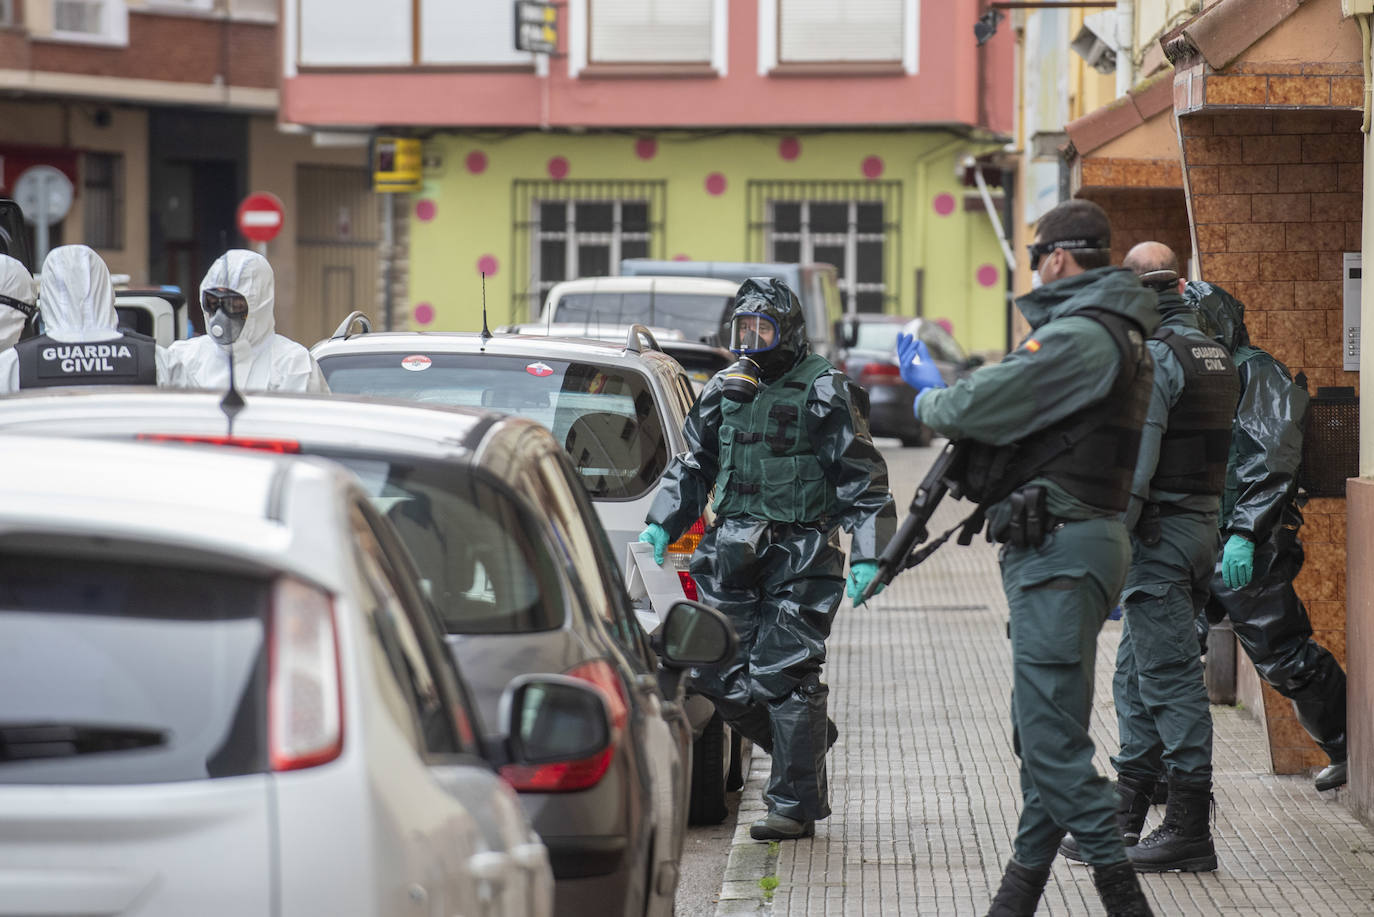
{"points": [[232, 402], [486, 333]]}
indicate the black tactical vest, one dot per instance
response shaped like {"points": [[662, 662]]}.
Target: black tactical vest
{"points": [[130, 359], [1097, 469], [1193, 452]]}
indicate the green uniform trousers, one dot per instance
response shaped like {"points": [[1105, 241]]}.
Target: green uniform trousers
{"points": [[1059, 596], [1161, 700]]}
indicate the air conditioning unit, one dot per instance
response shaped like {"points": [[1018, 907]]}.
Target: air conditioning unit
{"points": [[1095, 43]]}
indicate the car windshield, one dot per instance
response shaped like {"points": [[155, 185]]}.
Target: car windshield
{"points": [[114, 672], [605, 416], [881, 336], [700, 317], [472, 542]]}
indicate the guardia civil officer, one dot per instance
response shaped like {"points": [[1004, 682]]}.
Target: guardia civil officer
{"points": [[1068, 404], [779, 437], [81, 343], [1161, 701], [1253, 580], [263, 359]]}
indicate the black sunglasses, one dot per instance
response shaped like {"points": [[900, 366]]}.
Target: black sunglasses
{"points": [[1038, 250]]}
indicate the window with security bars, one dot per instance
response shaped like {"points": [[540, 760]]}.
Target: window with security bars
{"points": [[851, 226], [102, 196], [581, 229], [813, 31], [650, 31]]}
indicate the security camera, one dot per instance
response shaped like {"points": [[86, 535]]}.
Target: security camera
{"points": [[1095, 43]]}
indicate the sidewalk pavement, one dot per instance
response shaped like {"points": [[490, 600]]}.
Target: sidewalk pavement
{"points": [[924, 785]]}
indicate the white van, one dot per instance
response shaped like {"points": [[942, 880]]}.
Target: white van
{"points": [[698, 307]]}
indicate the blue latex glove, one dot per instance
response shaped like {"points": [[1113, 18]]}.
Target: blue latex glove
{"points": [[657, 536], [1238, 562], [916, 364], [860, 575]]}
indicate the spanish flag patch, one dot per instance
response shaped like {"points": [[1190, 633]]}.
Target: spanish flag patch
{"points": [[1032, 345]]}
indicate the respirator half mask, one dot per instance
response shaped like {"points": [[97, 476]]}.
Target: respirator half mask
{"points": [[226, 311]]}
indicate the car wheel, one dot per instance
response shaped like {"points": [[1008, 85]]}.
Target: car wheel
{"points": [[710, 767], [741, 750]]}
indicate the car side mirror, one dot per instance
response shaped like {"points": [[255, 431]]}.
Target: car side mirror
{"points": [[551, 719], [847, 333], [695, 634]]}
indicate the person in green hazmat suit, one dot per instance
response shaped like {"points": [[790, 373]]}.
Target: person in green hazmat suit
{"points": [[1262, 553], [1067, 405], [1163, 718], [780, 437]]}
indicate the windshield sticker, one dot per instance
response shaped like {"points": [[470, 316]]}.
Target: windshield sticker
{"points": [[539, 369], [416, 362]]}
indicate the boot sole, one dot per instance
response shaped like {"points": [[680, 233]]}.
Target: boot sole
{"points": [[1196, 864], [766, 835]]}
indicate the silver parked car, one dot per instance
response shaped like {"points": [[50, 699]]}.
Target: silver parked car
{"points": [[510, 556], [221, 693], [618, 408]]}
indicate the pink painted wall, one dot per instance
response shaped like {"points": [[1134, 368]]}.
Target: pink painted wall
{"points": [[946, 90]]}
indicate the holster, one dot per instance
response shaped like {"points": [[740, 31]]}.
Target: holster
{"points": [[1147, 527], [1029, 521]]}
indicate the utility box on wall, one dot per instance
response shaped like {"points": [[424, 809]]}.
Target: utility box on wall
{"points": [[1350, 336]]}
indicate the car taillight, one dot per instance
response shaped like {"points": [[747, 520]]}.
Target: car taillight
{"points": [[571, 776], [679, 556], [279, 446], [879, 373], [304, 687]]}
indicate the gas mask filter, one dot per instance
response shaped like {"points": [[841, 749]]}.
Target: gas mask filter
{"points": [[741, 383], [226, 311]]}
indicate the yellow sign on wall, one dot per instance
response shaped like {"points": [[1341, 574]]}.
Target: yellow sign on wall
{"points": [[396, 164]]}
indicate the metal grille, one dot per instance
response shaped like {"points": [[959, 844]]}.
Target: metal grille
{"points": [[851, 225], [570, 229], [1331, 442], [102, 186]]}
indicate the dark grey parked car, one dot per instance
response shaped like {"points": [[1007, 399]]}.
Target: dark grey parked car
{"points": [[511, 555], [868, 355]]}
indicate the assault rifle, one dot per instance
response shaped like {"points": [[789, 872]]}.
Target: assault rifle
{"points": [[945, 477]]}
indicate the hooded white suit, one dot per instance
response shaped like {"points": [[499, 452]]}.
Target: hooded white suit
{"points": [[15, 285], [264, 361], [77, 302]]}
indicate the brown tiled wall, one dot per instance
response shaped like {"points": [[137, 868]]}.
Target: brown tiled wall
{"points": [[183, 49], [1143, 215], [1276, 200]]}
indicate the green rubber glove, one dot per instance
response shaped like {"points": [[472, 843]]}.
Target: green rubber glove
{"points": [[1238, 562], [860, 575], [657, 536]]}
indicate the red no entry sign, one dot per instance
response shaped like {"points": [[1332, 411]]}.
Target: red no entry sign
{"points": [[260, 216]]}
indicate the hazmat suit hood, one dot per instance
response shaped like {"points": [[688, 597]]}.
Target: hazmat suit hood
{"points": [[774, 299], [18, 299], [76, 298], [1222, 315], [1112, 289], [250, 274]]}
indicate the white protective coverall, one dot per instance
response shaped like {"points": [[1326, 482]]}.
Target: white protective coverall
{"points": [[264, 361], [77, 303], [15, 285]]}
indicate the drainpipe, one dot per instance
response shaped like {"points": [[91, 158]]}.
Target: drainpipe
{"points": [[1367, 257], [1125, 46]]}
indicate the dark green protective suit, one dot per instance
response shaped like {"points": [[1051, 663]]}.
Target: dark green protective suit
{"points": [[1061, 593], [1161, 701], [789, 470], [1260, 503]]}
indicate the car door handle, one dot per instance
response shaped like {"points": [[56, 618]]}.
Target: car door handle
{"points": [[491, 866]]}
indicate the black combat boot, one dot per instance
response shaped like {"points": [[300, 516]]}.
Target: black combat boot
{"points": [[1132, 803], [1020, 892], [1120, 891], [1184, 841]]}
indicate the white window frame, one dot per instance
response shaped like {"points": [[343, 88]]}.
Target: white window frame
{"points": [[6, 12], [768, 37], [847, 281], [114, 26], [579, 41], [572, 238], [187, 6]]}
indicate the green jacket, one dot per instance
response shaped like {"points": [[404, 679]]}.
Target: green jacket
{"points": [[1067, 363]]}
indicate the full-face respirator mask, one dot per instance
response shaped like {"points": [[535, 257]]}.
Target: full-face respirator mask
{"points": [[750, 333]]}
